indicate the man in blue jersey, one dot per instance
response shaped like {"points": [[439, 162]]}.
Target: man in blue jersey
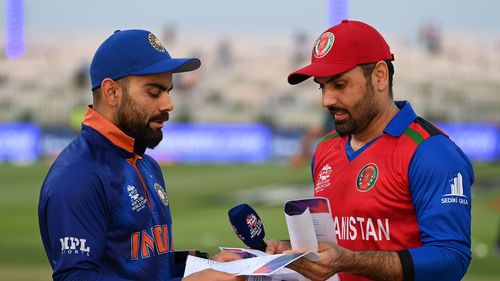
{"points": [[104, 211], [400, 189]]}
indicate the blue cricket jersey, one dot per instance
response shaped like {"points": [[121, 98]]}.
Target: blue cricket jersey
{"points": [[103, 210]]}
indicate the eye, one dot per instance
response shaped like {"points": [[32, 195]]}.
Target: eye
{"points": [[339, 85], [154, 92]]}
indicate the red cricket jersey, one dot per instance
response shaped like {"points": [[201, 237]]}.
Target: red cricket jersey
{"points": [[370, 197]]}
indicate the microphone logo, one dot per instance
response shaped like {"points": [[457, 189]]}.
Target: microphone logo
{"points": [[254, 225]]}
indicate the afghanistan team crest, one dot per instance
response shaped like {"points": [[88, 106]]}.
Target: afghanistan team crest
{"points": [[155, 42], [367, 177], [323, 44], [161, 193]]}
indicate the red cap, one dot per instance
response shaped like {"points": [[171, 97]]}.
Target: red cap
{"points": [[341, 48]]}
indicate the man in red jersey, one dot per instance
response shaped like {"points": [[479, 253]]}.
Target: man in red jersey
{"points": [[399, 188]]}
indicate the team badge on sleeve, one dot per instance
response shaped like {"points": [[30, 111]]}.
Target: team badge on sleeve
{"points": [[456, 194], [161, 193], [367, 177]]}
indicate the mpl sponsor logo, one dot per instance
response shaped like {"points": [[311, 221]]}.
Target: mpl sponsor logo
{"points": [[74, 246], [456, 195]]}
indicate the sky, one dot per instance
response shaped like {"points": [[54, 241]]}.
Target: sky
{"points": [[399, 16]]}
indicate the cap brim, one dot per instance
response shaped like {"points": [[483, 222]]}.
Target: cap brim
{"points": [[318, 70], [171, 65]]}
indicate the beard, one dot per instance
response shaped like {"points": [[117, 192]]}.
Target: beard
{"points": [[135, 122], [360, 116]]}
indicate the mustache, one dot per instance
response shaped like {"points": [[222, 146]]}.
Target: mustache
{"points": [[334, 110], [162, 117]]}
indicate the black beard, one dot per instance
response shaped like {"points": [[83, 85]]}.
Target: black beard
{"points": [[130, 121], [364, 112]]}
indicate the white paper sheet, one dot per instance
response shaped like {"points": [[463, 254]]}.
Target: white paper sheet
{"points": [[301, 232], [268, 265], [308, 228]]}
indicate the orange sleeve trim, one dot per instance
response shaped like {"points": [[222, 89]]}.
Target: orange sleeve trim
{"points": [[109, 130]]}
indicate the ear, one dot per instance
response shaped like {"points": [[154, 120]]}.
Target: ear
{"points": [[111, 92], [380, 76]]}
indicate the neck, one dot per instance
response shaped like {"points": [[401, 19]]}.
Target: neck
{"points": [[376, 127]]}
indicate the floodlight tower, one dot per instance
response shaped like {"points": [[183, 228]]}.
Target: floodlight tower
{"points": [[338, 10], [14, 29]]}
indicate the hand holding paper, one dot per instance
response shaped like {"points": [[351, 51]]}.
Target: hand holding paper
{"points": [[309, 221]]}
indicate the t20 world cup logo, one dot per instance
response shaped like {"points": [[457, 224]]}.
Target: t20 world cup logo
{"points": [[254, 224]]}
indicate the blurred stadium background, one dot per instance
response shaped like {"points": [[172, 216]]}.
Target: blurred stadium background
{"points": [[237, 122]]}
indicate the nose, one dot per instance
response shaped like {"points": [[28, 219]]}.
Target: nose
{"points": [[165, 103], [329, 98]]}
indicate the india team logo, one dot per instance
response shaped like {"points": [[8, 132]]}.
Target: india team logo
{"points": [[161, 193], [155, 42], [367, 177], [323, 44]]}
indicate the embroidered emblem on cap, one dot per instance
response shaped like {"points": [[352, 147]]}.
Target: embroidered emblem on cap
{"points": [[161, 193], [155, 42], [323, 44], [367, 177]]}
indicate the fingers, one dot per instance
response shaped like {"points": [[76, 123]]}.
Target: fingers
{"points": [[210, 274], [275, 246], [226, 256]]}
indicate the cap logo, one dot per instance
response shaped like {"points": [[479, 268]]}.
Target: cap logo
{"points": [[323, 44], [155, 43]]}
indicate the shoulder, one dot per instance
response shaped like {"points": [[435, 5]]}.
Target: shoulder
{"points": [[438, 160], [73, 175], [420, 130], [332, 136], [434, 144]]}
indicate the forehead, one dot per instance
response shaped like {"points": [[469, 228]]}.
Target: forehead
{"points": [[164, 79]]}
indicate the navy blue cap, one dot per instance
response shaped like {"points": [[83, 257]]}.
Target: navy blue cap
{"points": [[134, 52]]}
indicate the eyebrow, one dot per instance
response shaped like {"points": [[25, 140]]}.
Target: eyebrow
{"points": [[333, 78], [160, 86]]}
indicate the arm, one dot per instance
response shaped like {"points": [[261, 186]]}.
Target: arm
{"points": [[73, 217], [444, 219], [376, 265]]}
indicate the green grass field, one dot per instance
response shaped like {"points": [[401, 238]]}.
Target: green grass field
{"points": [[200, 197]]}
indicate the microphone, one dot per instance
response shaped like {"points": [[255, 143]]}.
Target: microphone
{"points": [[248, 226]]}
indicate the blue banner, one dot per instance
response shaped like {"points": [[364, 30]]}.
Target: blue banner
{"points": [[19, 142], [479, 141], [214, 143]]}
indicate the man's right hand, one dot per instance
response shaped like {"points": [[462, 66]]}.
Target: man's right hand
{"points": [[275, 246], [210, 274]]}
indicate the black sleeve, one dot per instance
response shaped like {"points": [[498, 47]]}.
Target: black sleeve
{"points": [[407, 265]]}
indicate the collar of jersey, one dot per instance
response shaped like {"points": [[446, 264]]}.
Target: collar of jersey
{"points": [[401, 120], [109, 130]]}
